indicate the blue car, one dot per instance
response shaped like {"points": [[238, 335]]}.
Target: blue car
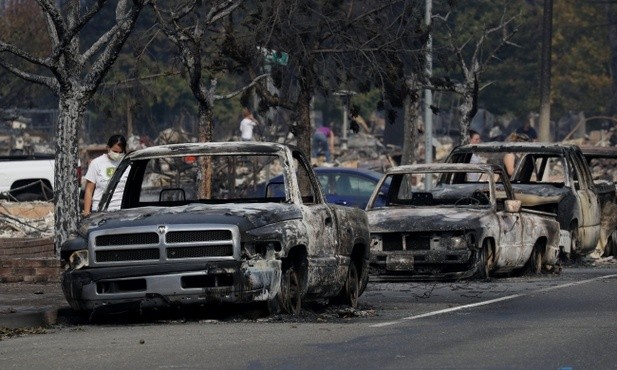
{"points": [[342, 185]]}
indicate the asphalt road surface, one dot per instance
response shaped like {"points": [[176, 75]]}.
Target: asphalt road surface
{"points": [[565, 321]]}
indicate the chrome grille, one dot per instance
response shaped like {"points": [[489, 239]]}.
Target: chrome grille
{"points": [[164, 243], [127, 255], [197, 236], [196, 252], [127, 239], [413, 241]]}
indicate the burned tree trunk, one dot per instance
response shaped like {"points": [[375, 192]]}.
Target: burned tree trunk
{"points": [[611, 12], [410, 129], [66, 183]]}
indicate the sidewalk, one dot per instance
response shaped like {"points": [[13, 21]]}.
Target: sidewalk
{"points": [[27, 305]]}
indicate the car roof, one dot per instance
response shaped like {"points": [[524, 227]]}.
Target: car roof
{"points": [[599, 152], [498, 146], [349, 170], [444, 167], [210, 148]]}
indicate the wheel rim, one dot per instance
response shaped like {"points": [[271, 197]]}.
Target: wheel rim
{"points": [[293, 300], [353, 286], [485, 261], [573, 241], [537, 261]]}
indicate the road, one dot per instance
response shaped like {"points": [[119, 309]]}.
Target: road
{"points": [[546, 322]]}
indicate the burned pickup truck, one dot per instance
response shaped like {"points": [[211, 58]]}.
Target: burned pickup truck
{"points": [[602, 162], [192, 229], [452, 221], [553, 178]]}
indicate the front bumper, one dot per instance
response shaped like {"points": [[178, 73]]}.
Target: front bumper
{"points": [[423, 265], [186, 283]]}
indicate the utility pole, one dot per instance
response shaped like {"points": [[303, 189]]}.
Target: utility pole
{"points": [[544, 133], [428, 94]]}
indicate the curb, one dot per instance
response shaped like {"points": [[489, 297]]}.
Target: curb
{"points": [[29, 319]]}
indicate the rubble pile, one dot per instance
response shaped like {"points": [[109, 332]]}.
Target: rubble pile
{"points": [[26, 219]]}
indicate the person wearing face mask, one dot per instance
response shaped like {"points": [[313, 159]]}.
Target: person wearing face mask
{"points": [[100, 171]]}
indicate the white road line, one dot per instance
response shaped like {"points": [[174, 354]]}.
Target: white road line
{"points": [[490, 301]]}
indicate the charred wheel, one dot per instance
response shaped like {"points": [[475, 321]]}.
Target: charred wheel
{"points": [[486, 257], [611, 245], [534, 264], [289, 298], [351, 290]]}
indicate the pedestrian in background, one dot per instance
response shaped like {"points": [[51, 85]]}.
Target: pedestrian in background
{"points": [[474, 138], [100, 170], [510, 160], [528, 130], [323, 142], [247, 125]]}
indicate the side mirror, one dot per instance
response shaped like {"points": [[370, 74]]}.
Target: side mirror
{"points": [[513, 205]]}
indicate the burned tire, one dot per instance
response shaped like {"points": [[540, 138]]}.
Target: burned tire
{"points": [[611, 245], [534, 264], [289, 298], [351, 289], [485, 261], [574, 255]]}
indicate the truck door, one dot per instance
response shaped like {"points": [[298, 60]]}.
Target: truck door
{"points": [[321, 226], [510, 239], [587, 199]]}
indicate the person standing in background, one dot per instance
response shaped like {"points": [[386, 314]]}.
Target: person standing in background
{"points": [[527, 129], [510, 160], [474, 138], [323, 142], [247, 125], [100, 170]]}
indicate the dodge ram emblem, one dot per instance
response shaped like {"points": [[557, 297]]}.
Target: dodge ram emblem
{"points": [[162, 229]]}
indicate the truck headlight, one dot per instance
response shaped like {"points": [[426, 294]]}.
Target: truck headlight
{"points": [[458, 242], [376, 243], [79, 259]]}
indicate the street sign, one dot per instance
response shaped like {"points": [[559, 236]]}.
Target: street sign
{"points": [[274, 57]]}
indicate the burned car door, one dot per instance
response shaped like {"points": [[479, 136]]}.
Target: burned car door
{"points": [[510, 230], [323, 264]]}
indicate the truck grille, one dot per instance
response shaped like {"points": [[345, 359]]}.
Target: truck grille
{"points": [[413, 241], [162, 243]]}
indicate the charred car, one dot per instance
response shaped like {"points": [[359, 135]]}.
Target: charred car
{"points": [[191, 229], [453, 221], [554, 178], [602, 161]]}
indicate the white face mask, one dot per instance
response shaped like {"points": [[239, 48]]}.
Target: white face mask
{"points": [[115, 156]]}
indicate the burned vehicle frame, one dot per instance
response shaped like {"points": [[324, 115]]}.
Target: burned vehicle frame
{"points": [[454, 221], [602, 163], [169, 245], [548, 177]]}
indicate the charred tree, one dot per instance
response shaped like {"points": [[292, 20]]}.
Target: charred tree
{"points": [[194, 28], [331, 46], [73, 74], [611, 12], [472, 61]]}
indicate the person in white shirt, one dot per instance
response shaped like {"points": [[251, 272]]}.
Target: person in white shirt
{"points": [[247, 125], [100, 170], [474, 138]]}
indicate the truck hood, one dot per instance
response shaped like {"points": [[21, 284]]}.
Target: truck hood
{"points": [[424, 219], [245, 216]]}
